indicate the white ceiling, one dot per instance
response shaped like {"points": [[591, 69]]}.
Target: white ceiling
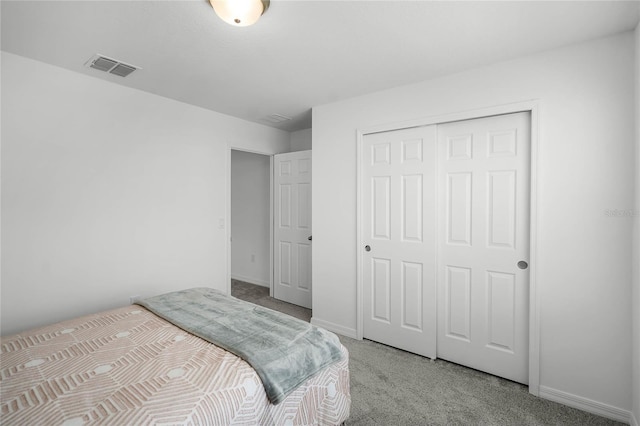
{"points": [[301, 53]]}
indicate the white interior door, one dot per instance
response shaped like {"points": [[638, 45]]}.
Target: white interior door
{"points": [[483, 277], [292, 228], [399, 283]]}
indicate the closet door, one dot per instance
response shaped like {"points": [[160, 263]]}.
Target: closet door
{"points": [[483, 275], [399, 239]]}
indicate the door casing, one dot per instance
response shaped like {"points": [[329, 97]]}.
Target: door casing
{"points": [[532, 107]]}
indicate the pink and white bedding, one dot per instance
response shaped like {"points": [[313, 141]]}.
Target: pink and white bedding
{"points": [[129, 366]]}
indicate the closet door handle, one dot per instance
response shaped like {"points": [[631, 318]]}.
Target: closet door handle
{"points": [[523, 265], [367, 248], [309, 237]]}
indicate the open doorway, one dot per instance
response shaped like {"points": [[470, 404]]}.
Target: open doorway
{"points": [[251, 233], [250, 218]]}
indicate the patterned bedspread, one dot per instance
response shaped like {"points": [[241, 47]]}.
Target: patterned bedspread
{"points": [[128, 366]]}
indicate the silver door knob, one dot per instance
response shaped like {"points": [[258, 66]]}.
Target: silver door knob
{"points": [[367, 248], [523, 265], [309, 237]]}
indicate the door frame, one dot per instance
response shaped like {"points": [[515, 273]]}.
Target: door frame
{"points": [[531, 106], [227, 223]]}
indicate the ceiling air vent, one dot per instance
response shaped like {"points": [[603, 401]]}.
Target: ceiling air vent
{"points": [[111, 66], [276, 118]]}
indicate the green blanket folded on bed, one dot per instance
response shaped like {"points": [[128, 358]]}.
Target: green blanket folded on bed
{"points": [[283, 350]]}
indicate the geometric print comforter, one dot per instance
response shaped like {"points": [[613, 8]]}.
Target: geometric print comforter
{"points": [[129, 367]]}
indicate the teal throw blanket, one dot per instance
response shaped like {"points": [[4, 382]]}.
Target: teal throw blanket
{"points": [[283, 350]]}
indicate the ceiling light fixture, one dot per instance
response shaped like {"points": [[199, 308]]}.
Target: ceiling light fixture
{"points": [[240, 13]]}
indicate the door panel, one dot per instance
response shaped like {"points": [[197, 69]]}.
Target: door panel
{"points": [[381, 207], [304, 267], [412, 208], [292, 230], [458, 302], [484, 232], [381, 275], [304, 207], [459, 208], [285, 263], [284, 216], [412, 295], [502, 209], [501, 310], [398, 189]]}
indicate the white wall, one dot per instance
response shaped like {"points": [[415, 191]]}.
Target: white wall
{"points": [[585, 166], [108, 192], [636, 250], [301, 140], [250, 213]]}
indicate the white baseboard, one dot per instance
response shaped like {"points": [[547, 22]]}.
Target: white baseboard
{"points": [[250, 280], [585, 404], [336, 328]]}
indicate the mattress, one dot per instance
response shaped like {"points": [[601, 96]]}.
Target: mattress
{"points": [[129, 366]]}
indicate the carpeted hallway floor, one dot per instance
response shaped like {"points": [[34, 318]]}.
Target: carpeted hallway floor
{"points": [[392, 387]]}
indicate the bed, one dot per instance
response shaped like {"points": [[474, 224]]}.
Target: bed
{"points": [[132, 366]]}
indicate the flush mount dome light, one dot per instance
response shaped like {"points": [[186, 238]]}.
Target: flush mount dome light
{"points": [[240, 13]]}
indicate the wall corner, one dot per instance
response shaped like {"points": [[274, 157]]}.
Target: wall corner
{"points": [[635, 289]]}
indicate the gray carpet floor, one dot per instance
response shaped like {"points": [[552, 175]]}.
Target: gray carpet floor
{"points": [[394, 387]]}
